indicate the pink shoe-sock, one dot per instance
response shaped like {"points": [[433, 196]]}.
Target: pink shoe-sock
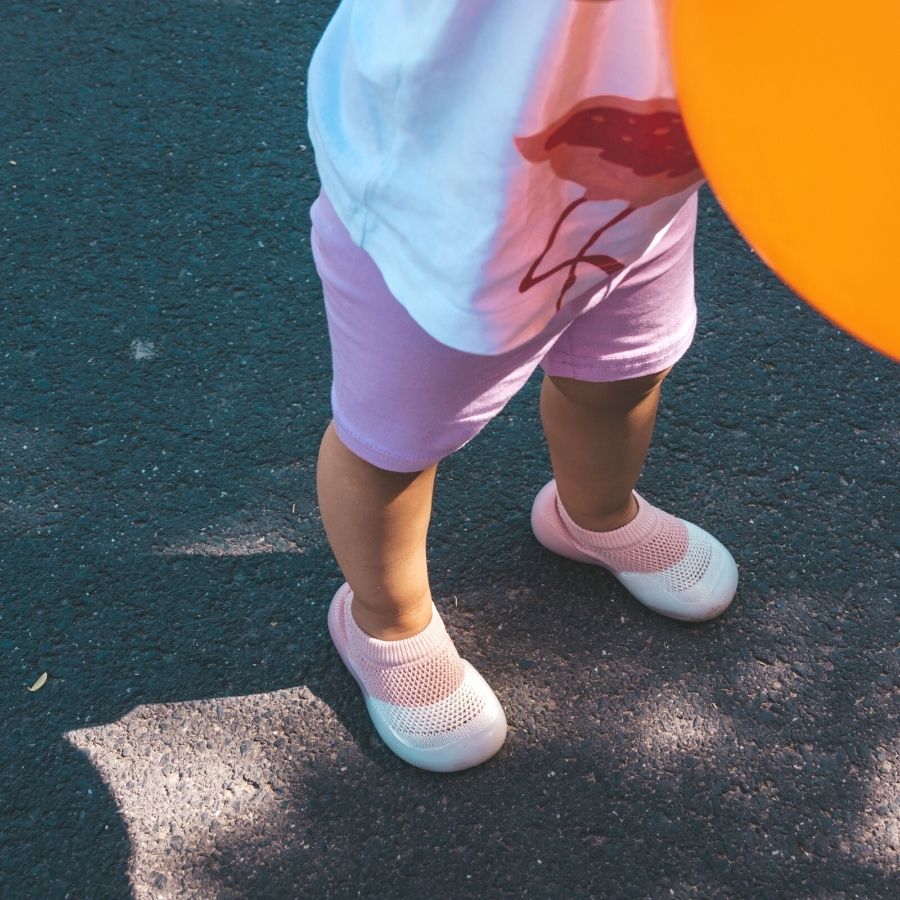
{"points": [[430, 706], [668, 564]]}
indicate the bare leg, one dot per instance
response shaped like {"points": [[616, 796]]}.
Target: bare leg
{"points": [[377, 522], [598, 435]]}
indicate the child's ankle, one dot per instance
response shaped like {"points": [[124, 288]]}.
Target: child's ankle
{"points": [[610, 521], [392, 624]]}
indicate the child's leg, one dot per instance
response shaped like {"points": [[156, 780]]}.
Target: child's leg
{"points": [[377, 522], [598, 434], [430, 706]]}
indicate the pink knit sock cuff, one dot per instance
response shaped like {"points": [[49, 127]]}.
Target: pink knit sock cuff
{"points": [[654, 541], [417, 671], [383, 654], [638, 531]]}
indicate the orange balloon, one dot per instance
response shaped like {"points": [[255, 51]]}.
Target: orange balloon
{"points": [[792, 107]]}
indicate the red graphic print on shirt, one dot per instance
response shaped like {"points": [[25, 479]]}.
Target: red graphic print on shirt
{"points": [[617, 148]]}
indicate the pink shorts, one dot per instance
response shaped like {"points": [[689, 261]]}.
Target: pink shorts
{"points": [[403, 401]]}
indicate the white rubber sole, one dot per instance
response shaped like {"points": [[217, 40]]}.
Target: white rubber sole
{"points": [[471, 751], [719, 588]]}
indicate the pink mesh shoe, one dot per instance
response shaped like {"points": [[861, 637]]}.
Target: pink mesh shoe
{"points": [[431, 707], [669, 565]]}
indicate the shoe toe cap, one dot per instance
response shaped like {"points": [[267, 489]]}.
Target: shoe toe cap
{"points": [[706, 596], [457, 745]]}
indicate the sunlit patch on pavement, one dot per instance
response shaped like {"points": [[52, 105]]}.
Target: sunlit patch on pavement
{"points": [[673, 724], [240, 544], [210, 782], [877, 830]]}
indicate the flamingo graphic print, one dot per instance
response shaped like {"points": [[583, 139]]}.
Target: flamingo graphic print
{"points": [[616, 148]]}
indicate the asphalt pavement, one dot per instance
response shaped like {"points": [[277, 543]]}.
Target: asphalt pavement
{"points": [[165, 380]]}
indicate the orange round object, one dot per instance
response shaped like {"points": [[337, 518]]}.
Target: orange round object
{"points": [[792, 108]]}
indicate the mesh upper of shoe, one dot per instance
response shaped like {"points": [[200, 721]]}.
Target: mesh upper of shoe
{"points": [[660, 545], [421, 683], [452, 720], [431, 701]]}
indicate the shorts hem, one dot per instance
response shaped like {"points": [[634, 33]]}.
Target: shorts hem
{"points": [[567, 365], [384, 459]]}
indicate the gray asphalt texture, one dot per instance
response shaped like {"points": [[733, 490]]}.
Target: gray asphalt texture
{"points": [[165, 383]]}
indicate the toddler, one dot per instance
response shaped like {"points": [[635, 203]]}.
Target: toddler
{"points": [[504, 185]]}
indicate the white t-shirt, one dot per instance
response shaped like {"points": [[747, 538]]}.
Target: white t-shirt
{"points": [[499, 159]]}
